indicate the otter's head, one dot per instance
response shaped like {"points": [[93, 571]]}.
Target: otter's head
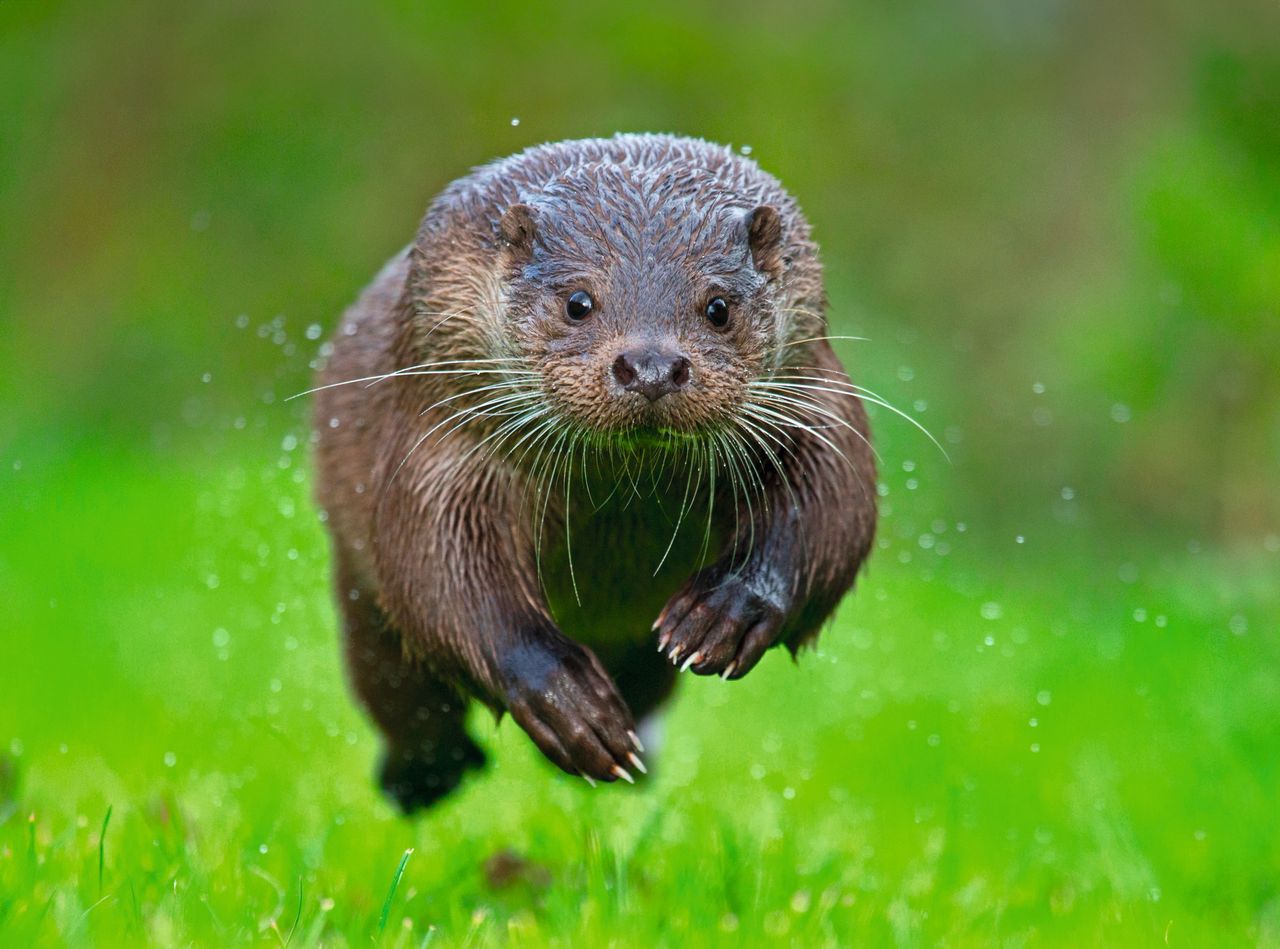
{"points": [[645, 305]]}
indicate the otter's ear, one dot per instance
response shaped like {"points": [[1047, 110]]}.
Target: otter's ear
{"points": [[764, 236], [517, 229]]}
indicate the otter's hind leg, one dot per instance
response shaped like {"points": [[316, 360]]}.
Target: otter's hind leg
{"points": [[428, 750]]}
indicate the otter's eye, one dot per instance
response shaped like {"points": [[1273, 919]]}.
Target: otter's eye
{"points": [[579, 305], [718, 311]]}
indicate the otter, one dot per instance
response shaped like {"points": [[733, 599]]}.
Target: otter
{"points": [[596, 390]]}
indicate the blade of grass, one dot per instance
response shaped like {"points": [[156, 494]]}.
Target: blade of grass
{"points": [[391, 893], [102, 847], [297, 916]]}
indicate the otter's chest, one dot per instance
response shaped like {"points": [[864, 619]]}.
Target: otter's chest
{"points": [[619, 557]]}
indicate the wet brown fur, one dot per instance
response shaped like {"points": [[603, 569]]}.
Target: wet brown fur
{"points": [[467, 554]]}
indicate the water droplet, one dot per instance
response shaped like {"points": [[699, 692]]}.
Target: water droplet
{"points": [[1121, 413], [1044, 697], [1037, 388], [991, 610], [514, 121], [1139, 615], [745, 149], [1238, 625], [314, 331], [170, 759]]}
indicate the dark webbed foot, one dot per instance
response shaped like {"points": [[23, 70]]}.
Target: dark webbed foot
{"points": [[560, 694], [720, 623], [418, 778]]}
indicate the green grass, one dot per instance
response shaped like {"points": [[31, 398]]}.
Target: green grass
{"points": [[1019, 748], [1058, 225]]}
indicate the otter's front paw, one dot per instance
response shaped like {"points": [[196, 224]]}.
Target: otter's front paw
{"points": [[720, 623], [561, 696]]}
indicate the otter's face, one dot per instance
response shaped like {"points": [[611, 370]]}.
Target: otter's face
{"points": [[643, 322]]}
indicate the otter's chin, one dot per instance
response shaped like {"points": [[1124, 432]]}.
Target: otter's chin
{"points": [[655, 436], [666, 422]]}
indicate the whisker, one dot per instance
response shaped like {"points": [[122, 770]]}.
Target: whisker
{"points": [[421, 370], [779, 396], [820, 339], [684, 502], [858, 392], [788, 421], [757, 433], [740, 462], [545, 489], [506, 384], [708, 450], [568, 516], [518, 420], [733, 477]]}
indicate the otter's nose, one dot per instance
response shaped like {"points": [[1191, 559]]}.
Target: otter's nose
{"points": [[651, 372]]}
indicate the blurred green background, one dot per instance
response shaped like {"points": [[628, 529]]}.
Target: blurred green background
{"points": [[1052, 713]]}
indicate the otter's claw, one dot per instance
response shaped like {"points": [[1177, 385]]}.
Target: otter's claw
{"points": [[719, 624], [558, 692]]}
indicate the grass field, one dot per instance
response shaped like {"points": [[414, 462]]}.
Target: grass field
{"points": [[994, 745], [1057, 225]]}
